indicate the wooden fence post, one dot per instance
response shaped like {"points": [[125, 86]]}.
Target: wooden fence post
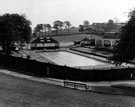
{"points": [[48, 69]]}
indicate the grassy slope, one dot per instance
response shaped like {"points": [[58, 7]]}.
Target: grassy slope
{"points": [[16, 92], [73, 38]]}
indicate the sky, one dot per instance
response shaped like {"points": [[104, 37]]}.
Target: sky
{"points": [[75, 11]]}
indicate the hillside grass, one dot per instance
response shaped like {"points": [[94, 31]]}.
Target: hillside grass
{"points": [[18, 92], [75, 38]]}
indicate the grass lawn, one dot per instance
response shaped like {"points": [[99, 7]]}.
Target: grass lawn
{"points": [[17, 92], [76, 38]]}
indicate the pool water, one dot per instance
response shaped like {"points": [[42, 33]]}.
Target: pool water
{"points": [[70, 59]]}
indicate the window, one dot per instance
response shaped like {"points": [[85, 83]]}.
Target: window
{"points": [[39, 45], [48, 40], [42, 40]]}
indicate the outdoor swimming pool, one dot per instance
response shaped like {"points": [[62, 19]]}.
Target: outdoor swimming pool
{"points": [[70, 59]]}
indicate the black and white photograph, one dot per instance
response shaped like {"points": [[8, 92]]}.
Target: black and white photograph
{"points": [[67, 53]]}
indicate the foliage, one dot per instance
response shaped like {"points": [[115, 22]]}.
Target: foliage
{"points": [[47, 27], [81, 28], [39, 29], [110, 26], [86, 23], [124, 51], [58, 25], [68, 25], [14, 28]]}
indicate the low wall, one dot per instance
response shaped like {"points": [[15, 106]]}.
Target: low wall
{"points": [[64, 72], [74, 49]]}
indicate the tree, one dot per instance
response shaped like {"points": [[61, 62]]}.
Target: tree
{"points": [[47, 28], [58, 25], [14, 28], [124, 51], [86, 23], [110, 26], [68, 25], [81, 28], [39, 29]]}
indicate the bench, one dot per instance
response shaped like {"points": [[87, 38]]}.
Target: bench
{"points": [[75, 85]]}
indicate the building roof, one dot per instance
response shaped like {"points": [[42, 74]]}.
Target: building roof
{"points": [[44, 40], [111, 35], [85, 39]]}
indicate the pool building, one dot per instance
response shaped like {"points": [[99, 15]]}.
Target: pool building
{"points": [[44, 42]]}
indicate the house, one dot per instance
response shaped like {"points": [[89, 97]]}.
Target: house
{"points": [[44, 42], [99, 43], [106, 43], [87, 42], [109, 40]]}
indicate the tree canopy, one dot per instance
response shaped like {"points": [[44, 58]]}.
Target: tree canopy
{"points": [[67, 25], [124, 51], [14, 28], [41, 28], [81, 28], [57, 25], [86, 23], [47, 27]]}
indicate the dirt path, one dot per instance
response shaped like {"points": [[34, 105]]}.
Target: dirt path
{"points": [[17, 92]]}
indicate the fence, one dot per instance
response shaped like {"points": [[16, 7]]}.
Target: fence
{"points": [[64, 72]]}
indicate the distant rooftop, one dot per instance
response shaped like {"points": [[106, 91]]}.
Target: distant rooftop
{"points": [[44, 40]]}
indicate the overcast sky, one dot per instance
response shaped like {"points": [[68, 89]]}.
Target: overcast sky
{"points": [[75, 11]]}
